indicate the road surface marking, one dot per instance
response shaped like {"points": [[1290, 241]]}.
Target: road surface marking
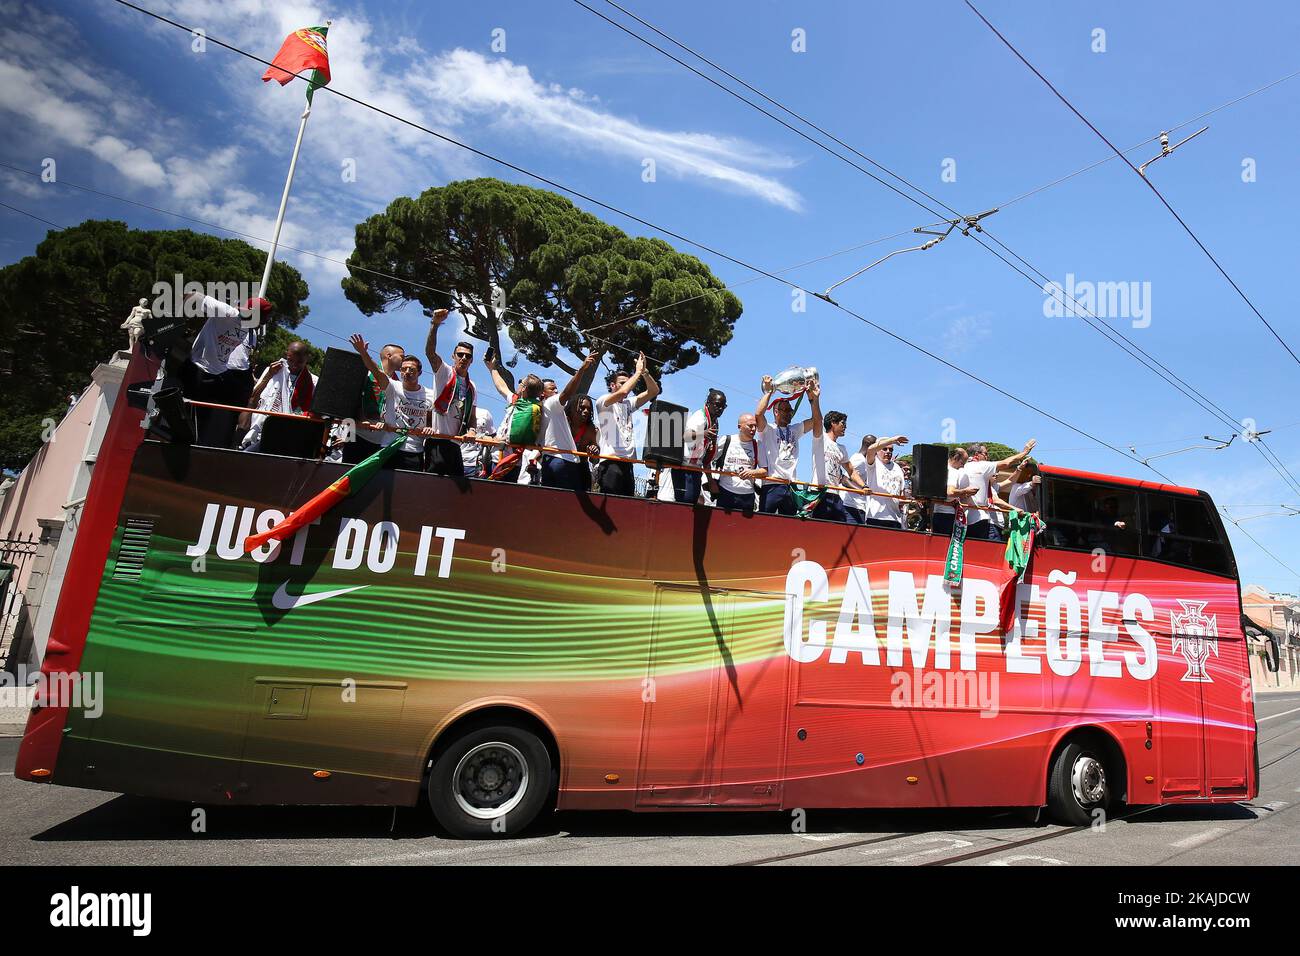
{"points": [[1276, 716], [1047, 860], [1198, 839]]}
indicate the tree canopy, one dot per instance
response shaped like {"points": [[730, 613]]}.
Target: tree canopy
{"points": [[557, 279], [61, 308]]}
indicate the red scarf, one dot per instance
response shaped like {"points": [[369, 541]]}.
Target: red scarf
{"points": [[444, 398], [303, 391]]}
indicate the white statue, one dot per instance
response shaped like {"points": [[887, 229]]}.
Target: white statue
{"points": [[134, 324]]}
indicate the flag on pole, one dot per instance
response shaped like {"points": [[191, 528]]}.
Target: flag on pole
{"points": [[348, 485], [302, 50]]}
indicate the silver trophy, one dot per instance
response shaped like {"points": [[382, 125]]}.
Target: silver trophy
{"points": [[795, 380]]}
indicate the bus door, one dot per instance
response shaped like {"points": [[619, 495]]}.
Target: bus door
{"points": [[713, 733], [1207, 685]]}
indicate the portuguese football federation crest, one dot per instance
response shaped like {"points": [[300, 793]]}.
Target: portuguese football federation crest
{"points": [[1196, 636]]}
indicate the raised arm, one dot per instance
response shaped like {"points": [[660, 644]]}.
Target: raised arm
{"points": [[880, 444], [815, 398], [651, 390], [363, 349], [1006, 464], [572, 386], [504, 386], [431, 343], [760, 412], [629, 386]]}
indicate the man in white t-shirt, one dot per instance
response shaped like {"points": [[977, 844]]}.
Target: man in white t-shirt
{"points": [[614, 411], [779, 449], [477, 457], [218, 367], [700, 442], [983, 476], [366, 441], [738, 456], [1020, 488], [453, 402], [837, 471], [960, 491], [885, 478], [407, 404]]}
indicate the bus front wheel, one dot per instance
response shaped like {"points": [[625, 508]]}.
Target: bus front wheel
{"points": [[490, 782], [1078, 786]]}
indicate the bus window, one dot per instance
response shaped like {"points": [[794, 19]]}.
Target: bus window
{"points": [[1182, 531], [1086, 517]]}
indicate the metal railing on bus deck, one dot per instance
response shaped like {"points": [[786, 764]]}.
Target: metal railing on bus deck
{"points": [[591, 456]]}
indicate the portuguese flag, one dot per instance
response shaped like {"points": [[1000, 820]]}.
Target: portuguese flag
{"points": [[302, 50], [345, 487]]}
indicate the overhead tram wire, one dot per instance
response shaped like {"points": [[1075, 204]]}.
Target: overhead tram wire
{"points": [[1123, 342], [420, 285], [1267, 452], [24, 212], [1150, 185], [1134, 351], [1130, 348], [1146, 142], [651, 225]]}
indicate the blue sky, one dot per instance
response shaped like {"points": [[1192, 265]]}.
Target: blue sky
{"points": [[127, 106]]}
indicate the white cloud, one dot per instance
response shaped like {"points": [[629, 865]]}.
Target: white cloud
{"points": [[474, 85], [215, 166]]}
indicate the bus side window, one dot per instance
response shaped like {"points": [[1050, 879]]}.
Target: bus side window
{"points": [[1180, 530], [1085, 516]]}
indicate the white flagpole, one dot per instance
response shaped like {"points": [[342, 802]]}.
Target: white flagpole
{"points": [[284, 202], [284, 197]]}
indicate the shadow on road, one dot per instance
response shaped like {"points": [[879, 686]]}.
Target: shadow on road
{"points": [[144, 819]]}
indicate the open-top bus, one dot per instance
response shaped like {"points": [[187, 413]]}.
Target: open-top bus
{"points": [[500, 649]]}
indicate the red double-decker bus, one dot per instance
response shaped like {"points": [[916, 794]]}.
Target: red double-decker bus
{"points": [[498, 650]]}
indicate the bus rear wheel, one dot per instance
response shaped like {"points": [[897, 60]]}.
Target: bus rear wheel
{"points": [[1077, 785], [490, 782]]}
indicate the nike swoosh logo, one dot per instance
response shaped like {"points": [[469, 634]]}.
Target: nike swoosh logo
{"points": [[282, 600]]}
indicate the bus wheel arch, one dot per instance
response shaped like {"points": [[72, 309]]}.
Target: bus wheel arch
{"points": [[499, 746], [1086, 772]]}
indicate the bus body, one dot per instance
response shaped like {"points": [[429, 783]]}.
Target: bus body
{"points": [[665, 656]]}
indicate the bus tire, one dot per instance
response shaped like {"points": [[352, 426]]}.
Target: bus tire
{"points": [[490, 782], [1078, 784]]}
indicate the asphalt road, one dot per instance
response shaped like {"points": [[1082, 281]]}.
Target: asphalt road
{"points": [[54, 826]]}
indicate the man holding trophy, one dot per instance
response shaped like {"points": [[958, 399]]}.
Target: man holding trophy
{"points": [[779, 445]]}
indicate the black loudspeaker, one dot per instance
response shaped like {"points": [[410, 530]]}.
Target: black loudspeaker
{"points": [[163, 331], [340, 386], [292, 437], [665, 433], [930, 471]]}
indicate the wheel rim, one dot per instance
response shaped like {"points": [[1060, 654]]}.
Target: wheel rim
{"points": [[490, 780], [1088, 780]]}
